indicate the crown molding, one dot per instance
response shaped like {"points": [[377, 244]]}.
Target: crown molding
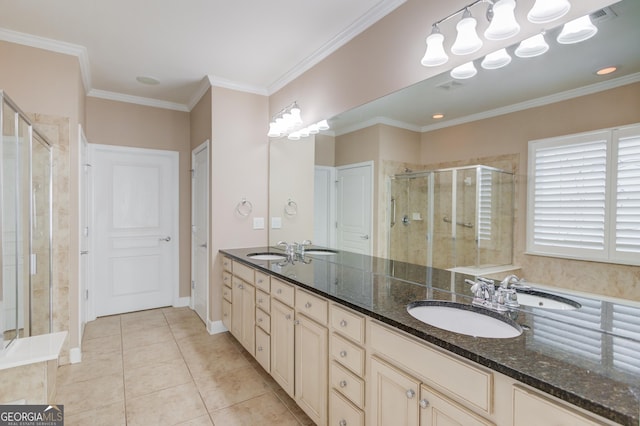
{"points": [[378, 120], [545, 100], [374, 14], [54, 46], [121, 97]]}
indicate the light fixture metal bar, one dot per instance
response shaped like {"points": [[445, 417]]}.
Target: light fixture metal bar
{"points": [[461, 10]]}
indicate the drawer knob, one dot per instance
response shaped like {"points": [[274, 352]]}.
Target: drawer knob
{"points": [[259, 348], [260, 301], [296, 322], [343, 354], [343, 323], [288, 316], [307, 305], [411, 393], [279, 291], [424, 403], [343, 383], [343, 422], [259, 319]]}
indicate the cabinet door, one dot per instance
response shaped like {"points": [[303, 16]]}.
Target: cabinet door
{"points": [[226, 314], [282, 339], [530, 409], [393, 396], [436, 410], [311, 368], [248, 338], [236, 308]]}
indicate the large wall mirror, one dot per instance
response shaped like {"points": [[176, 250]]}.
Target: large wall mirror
{"points": [[398, 135]]}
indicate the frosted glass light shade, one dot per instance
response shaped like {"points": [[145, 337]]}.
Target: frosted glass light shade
{"points": [[503, 24], [467, 40], [548, 10], [498, 59], [323, 125], [313, 129], [531, 47], [435, 54], [294, 136], [578, 30], [464, 71], [274, 131], [296, 118]]}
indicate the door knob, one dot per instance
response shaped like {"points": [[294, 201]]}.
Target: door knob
{"points": [[167, 239]]}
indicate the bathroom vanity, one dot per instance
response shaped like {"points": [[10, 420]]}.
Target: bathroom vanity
{"points": [[334, 331]]}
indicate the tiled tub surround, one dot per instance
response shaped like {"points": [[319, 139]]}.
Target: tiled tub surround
{"points": [[594, 367]]}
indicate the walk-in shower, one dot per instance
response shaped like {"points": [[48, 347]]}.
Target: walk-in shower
{"points": [[450, 218]]}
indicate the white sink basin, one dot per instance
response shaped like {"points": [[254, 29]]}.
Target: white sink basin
{"points": [[464, 319], [546, 301], [266, 256], [322, 252]]}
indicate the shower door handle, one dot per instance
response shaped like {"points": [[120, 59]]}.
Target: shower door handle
{"points": [[166, 239], [393, 211], [364, 237]]}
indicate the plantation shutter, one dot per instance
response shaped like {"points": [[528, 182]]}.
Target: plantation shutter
{"points": [[627, 226]]}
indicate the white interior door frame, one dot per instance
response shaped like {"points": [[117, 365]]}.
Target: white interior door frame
{"points": [[196, 243], [325, 206], [172, 188], [365, 245]]}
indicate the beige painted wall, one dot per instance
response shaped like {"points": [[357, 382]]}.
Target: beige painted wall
{"points": [[325, 150], [239, 169], [48, 83], [509, 134]]}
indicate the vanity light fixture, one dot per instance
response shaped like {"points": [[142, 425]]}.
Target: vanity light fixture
{"points": [[498, 59], [464, 71], [435, 54], [503, 22], [532, 47], [544, 11], [467, 40], [578, 30]]}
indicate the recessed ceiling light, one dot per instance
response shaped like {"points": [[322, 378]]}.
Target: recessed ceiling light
{"points": [[144, 79], [437, 116], [606, 70]]}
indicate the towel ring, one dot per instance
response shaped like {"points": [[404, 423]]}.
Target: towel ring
{"points": [[244, 207], [291, 208]]}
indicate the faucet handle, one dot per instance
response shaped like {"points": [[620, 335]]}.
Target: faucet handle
{"points": [[306, 243]]}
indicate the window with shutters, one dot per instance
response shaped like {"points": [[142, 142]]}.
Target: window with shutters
{"points": [[584, 196]]}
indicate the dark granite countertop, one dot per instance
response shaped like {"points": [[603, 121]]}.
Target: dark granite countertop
{"points": [[589, 357]]}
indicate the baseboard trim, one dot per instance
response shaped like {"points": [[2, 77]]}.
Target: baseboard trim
{"points": [[182, 302], [75, 355], [215, 327]]}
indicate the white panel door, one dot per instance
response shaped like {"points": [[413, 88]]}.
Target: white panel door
{"points": [[200, 230], [85, 212], [354, 206], [136, 233]]}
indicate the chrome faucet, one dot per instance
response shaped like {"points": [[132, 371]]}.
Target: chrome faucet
{"points": [[294, 251], [512, 281], [486, 294], [301, 247]]}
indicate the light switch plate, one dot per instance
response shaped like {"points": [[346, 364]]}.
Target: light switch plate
{"points": [[258, 223], [276, 222]]}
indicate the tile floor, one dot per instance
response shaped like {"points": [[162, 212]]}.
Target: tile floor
{"points": [[161, 367]]}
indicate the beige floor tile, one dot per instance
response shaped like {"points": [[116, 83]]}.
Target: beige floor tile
{"points": [[178, 314], [231, 388], [102, 344], [154, 377], [144, 322], [264, 410], [145, 336], [216, 363], [108, 415], [94, 364], [200, 421], [149, 354], [138, 315], [166, 407], [101, 327], [188, 327], [91, 394], [294, 408]]}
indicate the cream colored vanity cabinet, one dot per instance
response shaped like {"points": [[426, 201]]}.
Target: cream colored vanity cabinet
{"points": [[346, 367], [311, 355], [411, 383], [243, 306], [282, 334]]}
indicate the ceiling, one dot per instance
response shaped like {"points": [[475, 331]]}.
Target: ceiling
{"points": [[565, 71], [252, 45]]}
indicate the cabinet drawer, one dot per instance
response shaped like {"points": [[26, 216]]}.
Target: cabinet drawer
{"points": [[347, 383], [443, 372], [342, 413], [313, 306], [282, 291], [530, 409], [263, 282], [226, 292], [243, 271], [263, 349], [226, 279], [263, 301], [226, 264], [226, 314], [263, 320], [347, 323], [348, 354], [435, 407]]}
